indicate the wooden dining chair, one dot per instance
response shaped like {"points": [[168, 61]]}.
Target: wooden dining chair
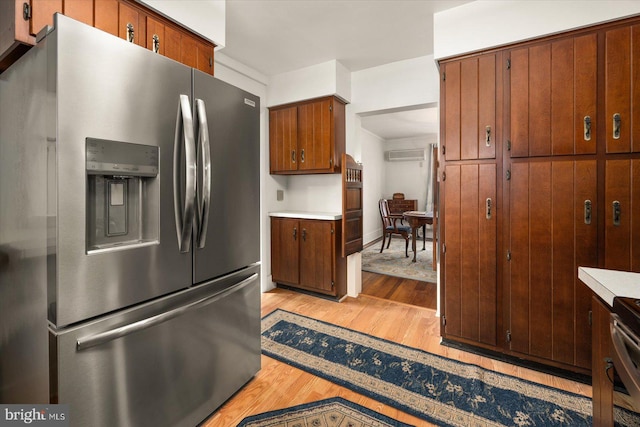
{"points": [[390, 227]]}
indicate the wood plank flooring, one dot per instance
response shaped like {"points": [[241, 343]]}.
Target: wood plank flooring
{"points": [[405, 291], [278, 385]]}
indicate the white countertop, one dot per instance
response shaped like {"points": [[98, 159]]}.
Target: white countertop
{"points": [[307, 215], [608, 284]]}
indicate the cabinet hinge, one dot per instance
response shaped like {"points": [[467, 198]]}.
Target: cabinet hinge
{"points": [[508, 175], [508, 145], [26, 11], [590, 318], [508, 255], [508, 335], [444, 77], [508, 64], [444, 321]]}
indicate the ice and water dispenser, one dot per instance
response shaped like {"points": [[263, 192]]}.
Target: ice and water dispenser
{"points": [[123, 195]]}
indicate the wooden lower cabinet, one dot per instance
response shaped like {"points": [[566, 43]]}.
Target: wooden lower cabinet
{"points": [[305, 253]]}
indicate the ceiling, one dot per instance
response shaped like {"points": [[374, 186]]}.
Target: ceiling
{"points": [[276, 36]]}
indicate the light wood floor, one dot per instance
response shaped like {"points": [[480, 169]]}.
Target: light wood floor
{"points": [[406, 291], [278, 385]]}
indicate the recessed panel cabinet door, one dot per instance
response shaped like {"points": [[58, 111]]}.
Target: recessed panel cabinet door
{"points": [[470, 108], [470, 216], [285, 233], [622, 221], [315, 131], [553, 98], [622, 94], [317, 254], [552, 230], [283, 140]]}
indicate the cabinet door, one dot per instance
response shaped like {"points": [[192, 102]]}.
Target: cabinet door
{"points": [[106, 16], [552, 97], [188, 50], [622, 95], [205, 57], [155, 37], [601, 372], [470, 215], [470, 108], [550, 236], [80, 10], [285, 234], [131, 24], [622, 202], [283, 140], [317, 254], [315, 132], [42, 13]]}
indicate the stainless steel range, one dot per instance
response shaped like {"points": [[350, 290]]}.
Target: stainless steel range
{"points": [[129, 229], [625, 336]]}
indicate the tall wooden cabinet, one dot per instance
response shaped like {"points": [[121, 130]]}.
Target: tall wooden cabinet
{"points": [[307, 137], [21, 20], [563, 177]]}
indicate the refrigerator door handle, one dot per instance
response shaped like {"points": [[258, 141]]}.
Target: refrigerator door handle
{"points": [[204, 194], [184, 209], [110, 335]]}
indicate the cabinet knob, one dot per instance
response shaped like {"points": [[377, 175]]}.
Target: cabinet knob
{"points": [[587, 212], [130, 32], [488, 208], [487, 138], [304, 234], [295, 233], [293, 156], [616, 125], [156, 43], [616, 213], [587, 128]]}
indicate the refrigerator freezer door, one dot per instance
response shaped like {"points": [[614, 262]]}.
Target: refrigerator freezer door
{"points": [[167, 363], [111, 90], [233, 229]]}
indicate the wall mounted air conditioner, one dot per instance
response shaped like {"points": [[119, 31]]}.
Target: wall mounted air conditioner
{"points": [[405, 155]]}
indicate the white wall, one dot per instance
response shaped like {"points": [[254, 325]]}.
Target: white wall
{"points": [[206, 18], [408, 177], [374, 174], [488, 23], [327, 78]]}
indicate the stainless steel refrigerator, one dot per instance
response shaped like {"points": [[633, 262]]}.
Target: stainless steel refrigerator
{"points": [[129, 233]]}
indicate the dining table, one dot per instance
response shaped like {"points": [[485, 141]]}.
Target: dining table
{"points": [[417, 219]]}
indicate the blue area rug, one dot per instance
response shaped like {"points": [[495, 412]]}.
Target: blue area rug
{"points": [[334, 412], [437, 389]]}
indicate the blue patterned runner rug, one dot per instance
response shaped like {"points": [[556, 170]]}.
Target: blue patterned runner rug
{"points": [[442, 391]]}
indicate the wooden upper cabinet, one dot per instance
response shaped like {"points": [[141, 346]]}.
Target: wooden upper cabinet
{"points": [[552, 96], [622, 94], [307, 137], [622, 203], [470, 108], [106, 16], [126, 19], [80, 10]]}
